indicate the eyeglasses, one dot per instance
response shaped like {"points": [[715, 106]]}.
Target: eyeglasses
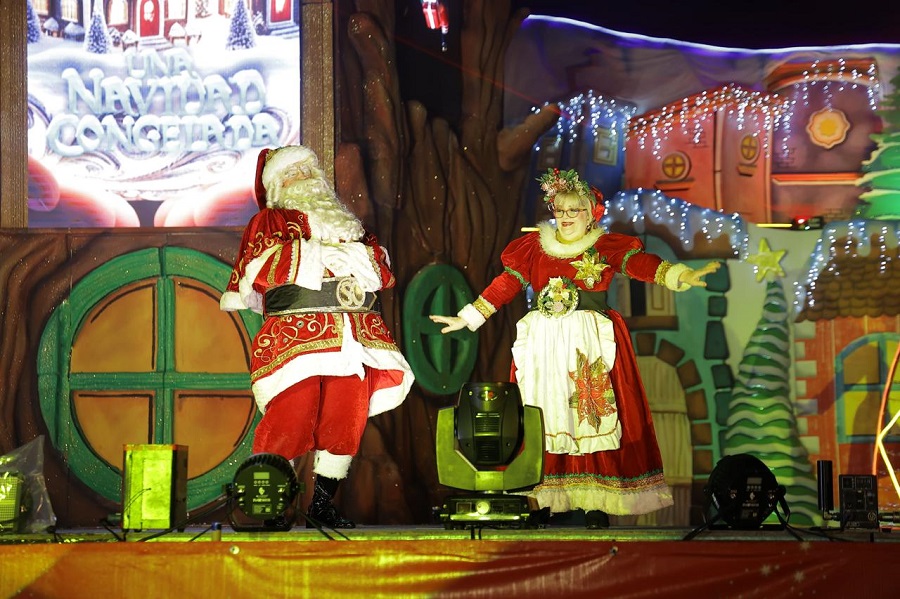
{"points": [[295, 172], [571, 213]]}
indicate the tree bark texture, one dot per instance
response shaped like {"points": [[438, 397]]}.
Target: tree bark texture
{"points": [[440, 192]]}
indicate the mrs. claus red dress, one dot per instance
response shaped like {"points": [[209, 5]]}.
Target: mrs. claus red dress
{"points": [[574, 359]]}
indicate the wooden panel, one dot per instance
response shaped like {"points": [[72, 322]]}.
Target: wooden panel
{"points": [[317, 118], [13, 130]]}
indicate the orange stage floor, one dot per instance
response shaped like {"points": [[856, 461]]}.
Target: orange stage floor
{"points": [[433, 562]]}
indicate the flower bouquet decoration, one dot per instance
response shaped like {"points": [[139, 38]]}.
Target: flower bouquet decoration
{"points": [[558, 298]]}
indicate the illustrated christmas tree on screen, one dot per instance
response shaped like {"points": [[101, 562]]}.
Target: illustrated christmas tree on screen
{"points": [[761, 420]]}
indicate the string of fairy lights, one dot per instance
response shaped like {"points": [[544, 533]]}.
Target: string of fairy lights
{"points": [[597, 109], [755, 110], [851, 239], [836, 76], [751, 110], [642, 206]]}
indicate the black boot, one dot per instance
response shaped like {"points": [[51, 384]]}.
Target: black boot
{"points": [[538, 518], [321, 510], [595, 519]]}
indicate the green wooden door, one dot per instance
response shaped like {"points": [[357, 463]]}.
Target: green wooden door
{"points": [[441, 363]]}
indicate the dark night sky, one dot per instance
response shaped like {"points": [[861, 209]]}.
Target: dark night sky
{"points": [[742, 23], [432, 77]]}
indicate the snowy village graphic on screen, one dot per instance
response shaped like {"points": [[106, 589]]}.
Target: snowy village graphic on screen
{"points": [[152, 112]]}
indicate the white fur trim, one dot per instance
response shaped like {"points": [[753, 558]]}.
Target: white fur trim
{"points": [[474, 319], [673, 281], [231, 302], [348, 361], [331, 465], [554, 247]]}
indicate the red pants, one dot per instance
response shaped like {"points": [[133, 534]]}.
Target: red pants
{"points": [[321, 412]]}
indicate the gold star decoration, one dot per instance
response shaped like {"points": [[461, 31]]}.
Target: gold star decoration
{"points": [[767, 261], [589, 269]]}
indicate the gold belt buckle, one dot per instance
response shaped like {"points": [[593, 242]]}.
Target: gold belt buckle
{"points": [[349, 294]]}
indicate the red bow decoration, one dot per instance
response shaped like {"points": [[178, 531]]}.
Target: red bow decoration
{"points": [[599, 207]]}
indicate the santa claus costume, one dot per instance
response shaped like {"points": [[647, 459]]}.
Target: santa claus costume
{"points": [[323, 361]]}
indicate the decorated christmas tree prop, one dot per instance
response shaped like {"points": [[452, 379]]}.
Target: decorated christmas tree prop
{"points": [[33, 30], [882, 169], [240, 33], [761, 420]]}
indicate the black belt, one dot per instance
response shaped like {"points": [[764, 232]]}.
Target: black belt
{"points": [[592, 300], [589, 300], [337, 295]]}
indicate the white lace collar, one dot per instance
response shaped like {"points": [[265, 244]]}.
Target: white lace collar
{"points": [[556, 248]]}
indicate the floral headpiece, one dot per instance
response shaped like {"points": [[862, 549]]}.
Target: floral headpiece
{"points": [[555, 181]]}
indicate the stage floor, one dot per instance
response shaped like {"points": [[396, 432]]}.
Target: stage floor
{"points": [[570, 532], [430, 561]]}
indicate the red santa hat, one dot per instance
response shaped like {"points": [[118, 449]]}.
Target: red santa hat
{"points": [[272, 167], [258, 188]]}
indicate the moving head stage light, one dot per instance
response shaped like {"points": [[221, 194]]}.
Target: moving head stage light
{"points": [[490, 444]]}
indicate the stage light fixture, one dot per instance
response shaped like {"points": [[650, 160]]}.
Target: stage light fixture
{"points": [[12, 491], [743, 492], [807, 223], [263, 491], [489, 443]]}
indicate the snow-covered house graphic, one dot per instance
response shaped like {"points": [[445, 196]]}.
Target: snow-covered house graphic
{"points": [[845, 339], [821, 141], [160, 23], [791, 152], [712, 149]]}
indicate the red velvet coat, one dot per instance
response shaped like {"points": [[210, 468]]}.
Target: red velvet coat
{"points": [[291, 347]]}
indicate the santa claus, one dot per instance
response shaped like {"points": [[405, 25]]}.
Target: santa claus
{"points": [[323, 361]]}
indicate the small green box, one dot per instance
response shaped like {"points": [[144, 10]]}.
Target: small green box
{"points": [[154, 493]]}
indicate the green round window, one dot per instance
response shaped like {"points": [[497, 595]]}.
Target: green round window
{"points": [[139, 353]]}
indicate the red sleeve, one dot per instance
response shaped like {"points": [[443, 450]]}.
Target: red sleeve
{"points": [[626, 254], [517, 260], [269, 228], [380, 260]]}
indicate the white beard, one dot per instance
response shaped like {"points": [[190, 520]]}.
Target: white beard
{"points": [[329, 220]]}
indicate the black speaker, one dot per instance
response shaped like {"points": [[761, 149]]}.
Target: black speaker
{"points": [[825, 485], [743, 492], [859, 500]]}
